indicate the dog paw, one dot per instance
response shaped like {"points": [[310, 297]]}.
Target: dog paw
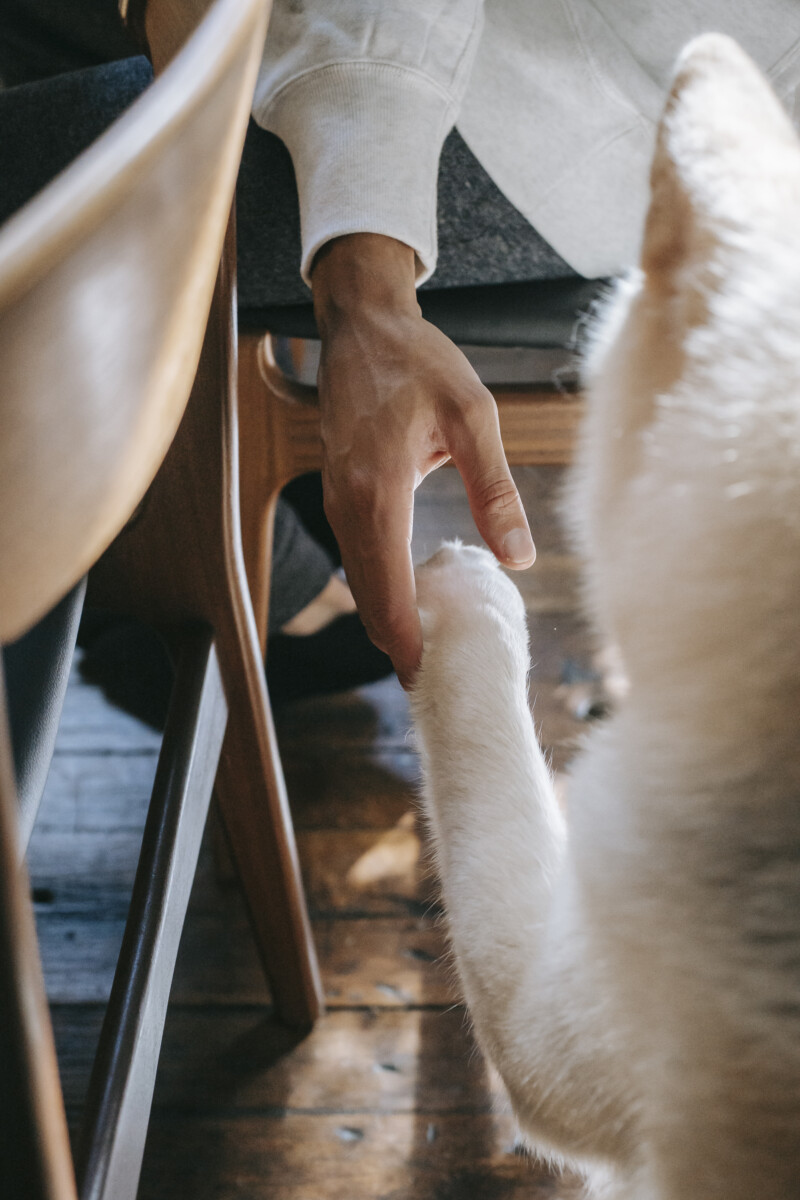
{"points": [[461, 584]]}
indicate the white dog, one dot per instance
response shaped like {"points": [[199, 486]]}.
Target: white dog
{"points": [[634, 972]]}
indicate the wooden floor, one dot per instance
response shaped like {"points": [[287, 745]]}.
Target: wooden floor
{"points": [[388, 1098]]}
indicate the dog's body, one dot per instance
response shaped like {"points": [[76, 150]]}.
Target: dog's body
{"points": [[636, 977]]}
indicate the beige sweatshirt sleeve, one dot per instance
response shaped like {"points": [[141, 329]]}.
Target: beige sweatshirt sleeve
{"points": [[363, 93]]}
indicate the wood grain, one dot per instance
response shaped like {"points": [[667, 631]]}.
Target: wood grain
{"points": [[538, 426], [374, 962], [356, 1060], [345, 871], [353, 1157]]}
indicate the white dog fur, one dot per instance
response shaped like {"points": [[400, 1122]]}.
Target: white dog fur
{"points": [[635, 973]]}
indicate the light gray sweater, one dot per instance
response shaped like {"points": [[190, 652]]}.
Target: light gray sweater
{"points": [[558, 99]]}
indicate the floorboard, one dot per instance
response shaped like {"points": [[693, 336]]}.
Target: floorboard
{"points": [[322, 1157]]}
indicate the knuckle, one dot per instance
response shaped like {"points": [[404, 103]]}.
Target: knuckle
{"points": [[473, 406], [496, 494]]}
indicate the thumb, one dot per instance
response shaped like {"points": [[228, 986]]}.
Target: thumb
{"points": [[477, 451]]}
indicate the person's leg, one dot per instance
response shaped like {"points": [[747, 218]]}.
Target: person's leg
{"points": [[46, 124], [39, 38], [305, 496], [316, 643], [301, 573]]}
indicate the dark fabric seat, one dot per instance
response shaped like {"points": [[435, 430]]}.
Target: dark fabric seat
{"points": [[539, 314]]}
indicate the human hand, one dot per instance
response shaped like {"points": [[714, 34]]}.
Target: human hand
{"points": [[398, 399]]}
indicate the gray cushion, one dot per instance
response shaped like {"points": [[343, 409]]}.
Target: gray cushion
{"points": [[538, 314]]}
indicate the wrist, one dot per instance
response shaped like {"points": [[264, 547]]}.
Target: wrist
{"points": [[361, 275]]}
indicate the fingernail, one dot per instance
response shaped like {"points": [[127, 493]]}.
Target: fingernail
{"points": [[518, 546]]}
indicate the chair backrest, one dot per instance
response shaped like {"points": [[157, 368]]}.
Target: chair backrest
{"points": [[106, 279]]}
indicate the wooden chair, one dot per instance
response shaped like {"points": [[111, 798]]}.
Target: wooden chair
{"points": [[106, 279], [279, 418]]}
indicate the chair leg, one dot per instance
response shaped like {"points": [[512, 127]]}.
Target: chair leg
{"points": [[258, 489], [278, 440], [255, 811], [224, 870], [181, 560], [35, 1160], [124, 1072], [249, 785]]}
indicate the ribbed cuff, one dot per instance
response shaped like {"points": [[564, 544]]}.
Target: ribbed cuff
{"points": [[365, 139]]}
